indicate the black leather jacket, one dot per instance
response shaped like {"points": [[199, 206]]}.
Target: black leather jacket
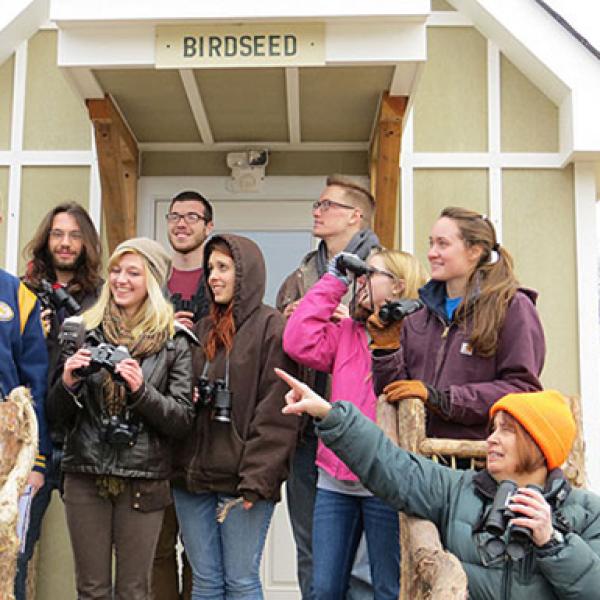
{"points": [[162, 409]]}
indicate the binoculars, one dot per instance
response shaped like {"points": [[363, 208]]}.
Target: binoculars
{"points": [[216, 395], [56, 298], [497, 524]]}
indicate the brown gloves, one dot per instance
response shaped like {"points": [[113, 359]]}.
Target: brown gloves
{"points": [[384, 336], [435, 400], [406, 388]]}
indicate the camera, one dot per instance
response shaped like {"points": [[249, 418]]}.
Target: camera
{"points": [[104, 356], [119, 433], [215, 394], [396, 310], [350, 262], [55, 298], [497, 523], [72, 336], [197, 305]]}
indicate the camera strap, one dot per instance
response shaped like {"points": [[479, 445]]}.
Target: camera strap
{"points": [[207, 365]]}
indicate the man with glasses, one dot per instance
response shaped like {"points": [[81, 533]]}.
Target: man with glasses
{"points": [[63, 255], [341, 220], [189, 223]]}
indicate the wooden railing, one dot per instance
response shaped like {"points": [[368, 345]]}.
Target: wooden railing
{"points": [[18, 447]]}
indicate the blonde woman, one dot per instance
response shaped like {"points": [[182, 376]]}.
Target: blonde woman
{"points": [[344, 508], [120, 405]]}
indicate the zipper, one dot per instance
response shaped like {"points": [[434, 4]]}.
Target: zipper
{"points": [[506, 579], [441, 353]]}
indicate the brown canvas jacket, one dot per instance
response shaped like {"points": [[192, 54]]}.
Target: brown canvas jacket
{"points": [[250, 455]]}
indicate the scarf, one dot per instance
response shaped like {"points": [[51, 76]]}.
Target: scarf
{"points": [[116, 331]]}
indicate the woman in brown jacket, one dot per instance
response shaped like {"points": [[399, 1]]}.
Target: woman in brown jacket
{"points": [[237, 458]]}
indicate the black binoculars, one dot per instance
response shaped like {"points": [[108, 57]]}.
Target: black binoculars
{"points": [[215, 395], [396, 310], [350, 262], [198, 306], [55, 298], [497, 523]]}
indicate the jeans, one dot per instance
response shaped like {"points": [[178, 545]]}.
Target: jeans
{"points": [[301, 488], [39, 504], [225, 557], [339, 520]]}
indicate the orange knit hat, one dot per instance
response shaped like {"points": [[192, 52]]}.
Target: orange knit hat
{"points": [[548, 420]]}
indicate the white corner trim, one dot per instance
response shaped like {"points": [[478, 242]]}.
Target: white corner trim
{"points": [[587, 299], [196, 105], [494, 137], [407, 231], [448, 18], [292, 92], [95, 205], [16, 144]]}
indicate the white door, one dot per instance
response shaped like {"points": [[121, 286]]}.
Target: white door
{"points": [[281, 227]]}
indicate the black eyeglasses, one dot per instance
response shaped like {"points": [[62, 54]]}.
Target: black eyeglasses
{"points": [[190, 218], [325, 205]]}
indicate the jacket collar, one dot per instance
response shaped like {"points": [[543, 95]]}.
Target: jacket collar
{"points": [[433, 295], [556, 490]]}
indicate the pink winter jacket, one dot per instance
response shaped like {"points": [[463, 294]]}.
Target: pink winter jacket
{"points": [[311, 339]]}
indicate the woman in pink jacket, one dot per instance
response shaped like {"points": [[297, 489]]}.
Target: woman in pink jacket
{"points": [[343, 507]]}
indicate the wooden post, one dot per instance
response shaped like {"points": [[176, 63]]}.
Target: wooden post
{"points": [[118, 161], [386, 159]]}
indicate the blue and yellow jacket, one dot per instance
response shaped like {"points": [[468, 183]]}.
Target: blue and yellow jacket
{"points": [[23, 355]]}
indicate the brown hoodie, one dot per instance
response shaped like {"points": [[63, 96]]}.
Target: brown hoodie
{"points": [[250, 455]]}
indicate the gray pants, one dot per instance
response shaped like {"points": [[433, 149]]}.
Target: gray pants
{"points": [[96, 525]]}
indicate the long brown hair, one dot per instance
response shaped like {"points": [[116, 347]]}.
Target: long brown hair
{"points": [[222, 324], [86, 275], [492, 284]]}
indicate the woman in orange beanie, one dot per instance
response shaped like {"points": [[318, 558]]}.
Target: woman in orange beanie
{"points": [[518, 527]]}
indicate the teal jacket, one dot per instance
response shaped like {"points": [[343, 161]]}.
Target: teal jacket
{"points": [[456, 501]]}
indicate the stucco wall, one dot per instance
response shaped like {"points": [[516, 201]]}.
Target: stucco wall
{"points": [[6, 95], [55, 119], [451, 101], [539, 229]]}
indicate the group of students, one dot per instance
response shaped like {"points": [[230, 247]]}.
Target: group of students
{"points": [[198, 414]]}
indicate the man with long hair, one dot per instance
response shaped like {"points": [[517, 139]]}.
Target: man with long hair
{"points": [[64, 256], [189, 223], [341, 220]]}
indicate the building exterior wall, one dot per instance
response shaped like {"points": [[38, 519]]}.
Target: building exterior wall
{"points": [[451, 153]]}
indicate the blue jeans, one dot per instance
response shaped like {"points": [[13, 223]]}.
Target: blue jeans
{"points": [[225, 557], [39, 504], [338, 522], [301, 489]]}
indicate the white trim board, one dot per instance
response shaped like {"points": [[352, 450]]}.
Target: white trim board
{"points": [[587, 305]]}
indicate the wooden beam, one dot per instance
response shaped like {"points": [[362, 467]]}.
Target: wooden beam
{"points": [[387, 168], [118, 162]]}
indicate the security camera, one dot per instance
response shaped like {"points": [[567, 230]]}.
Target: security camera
{"points": [[258, 158]]}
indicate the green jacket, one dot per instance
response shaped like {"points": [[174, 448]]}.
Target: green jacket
{"points": [[456, 502]]}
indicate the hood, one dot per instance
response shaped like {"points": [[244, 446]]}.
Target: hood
{"points": [[250, 274]]}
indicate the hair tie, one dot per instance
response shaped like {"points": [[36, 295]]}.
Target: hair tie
{"points": [[496, 246]]}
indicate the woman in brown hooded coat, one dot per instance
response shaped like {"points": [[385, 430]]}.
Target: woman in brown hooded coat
{"points": [[238, 456]]}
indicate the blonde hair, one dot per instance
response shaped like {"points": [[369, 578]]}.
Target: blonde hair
{"points": [[405, 267], [154, 315]]}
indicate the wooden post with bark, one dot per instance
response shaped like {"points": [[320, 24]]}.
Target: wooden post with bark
{"points": [[18, 447]]}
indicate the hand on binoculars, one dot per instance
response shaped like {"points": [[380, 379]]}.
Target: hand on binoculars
{"points": [[301, 399], [536, 512], [384, 336], [130, 370], [80, 359]]}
